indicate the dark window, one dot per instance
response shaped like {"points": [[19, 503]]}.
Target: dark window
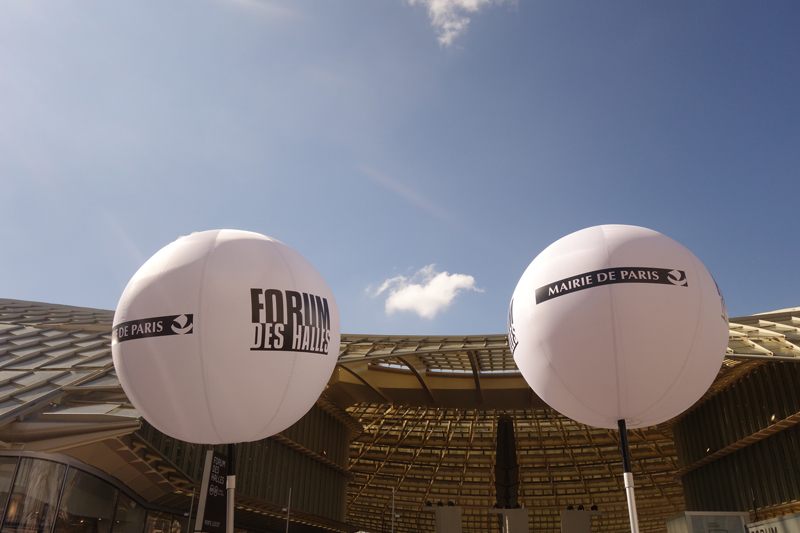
{"points": [[87, 504], [32, 505], [7, 467], [129, 517], [158, 522]]}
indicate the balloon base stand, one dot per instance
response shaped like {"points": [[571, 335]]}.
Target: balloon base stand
{"points": [[288, 509], [627, 476]]}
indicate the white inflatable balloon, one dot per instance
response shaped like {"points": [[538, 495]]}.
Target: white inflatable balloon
{"points": [[225, 336], [618, 322]]}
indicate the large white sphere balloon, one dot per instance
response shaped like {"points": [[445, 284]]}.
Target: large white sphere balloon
{"points": [[618, 322], [225, 336]]}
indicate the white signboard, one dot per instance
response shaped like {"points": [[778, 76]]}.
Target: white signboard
{"points": [[708, 522], [782, 524]]}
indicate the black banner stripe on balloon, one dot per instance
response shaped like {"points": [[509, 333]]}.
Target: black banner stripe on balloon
{"points": [[610, 276], [159, 326]]}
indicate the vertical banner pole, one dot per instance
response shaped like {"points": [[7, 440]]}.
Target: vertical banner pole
{"points": [[755, 508], [288, 509], [627, 476], [231, 486]]}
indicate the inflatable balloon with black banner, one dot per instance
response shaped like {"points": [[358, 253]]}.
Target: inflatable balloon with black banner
{"points": [[225, 336], [618, 327]]}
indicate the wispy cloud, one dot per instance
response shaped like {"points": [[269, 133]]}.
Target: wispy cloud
{"points": [[451, 17], [408, 194], [426, 293], [123, 240], [272, 10]]}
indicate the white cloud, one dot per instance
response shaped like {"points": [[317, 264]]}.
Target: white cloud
{"points": [[450, 17], [426, 293]]}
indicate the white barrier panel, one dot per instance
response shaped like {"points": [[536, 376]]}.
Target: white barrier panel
{"points": [[448, 519], [708, 522], [512, 520], [577, 521], [783, 524]]}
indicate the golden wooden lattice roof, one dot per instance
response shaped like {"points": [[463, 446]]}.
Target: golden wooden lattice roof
{"points": [[429, 407]]}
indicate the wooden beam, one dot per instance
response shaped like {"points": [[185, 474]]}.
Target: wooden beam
{"points": [[476, 373]]}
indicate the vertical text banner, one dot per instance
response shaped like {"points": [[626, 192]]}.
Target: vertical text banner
{"points": [[212, 507]]}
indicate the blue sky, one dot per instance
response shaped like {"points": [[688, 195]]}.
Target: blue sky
{"points": [[374, 142]]}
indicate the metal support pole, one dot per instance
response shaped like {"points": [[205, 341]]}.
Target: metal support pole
{"points": [[392, 509], [627, 476], [288, 509], [231, 486], [191, 508]]}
